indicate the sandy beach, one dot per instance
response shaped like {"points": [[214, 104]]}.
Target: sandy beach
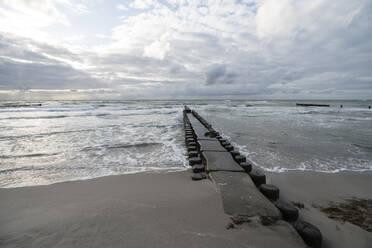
{"points": [[169, 210], [139, 210]]}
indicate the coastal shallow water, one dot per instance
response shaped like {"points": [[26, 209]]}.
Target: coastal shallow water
{"points": [[280, 136], [55, 141]]}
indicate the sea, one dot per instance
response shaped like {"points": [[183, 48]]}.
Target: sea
{"points": [[45, 142]]}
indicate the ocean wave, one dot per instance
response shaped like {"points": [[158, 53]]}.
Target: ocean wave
{"points": [[19, 105], [283, 169], [26, 168], [368, 147], [28, 155], [331, 165], [92, 114], [120, 146], [34, 117], [11, 137]]}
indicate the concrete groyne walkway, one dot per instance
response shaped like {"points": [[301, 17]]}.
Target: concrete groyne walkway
{"points": [[244, 192]]}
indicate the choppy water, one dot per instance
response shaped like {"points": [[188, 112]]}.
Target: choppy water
{"points": [[71, 140]]}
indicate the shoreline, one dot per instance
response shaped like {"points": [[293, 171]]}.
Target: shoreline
{"points": [[270, 173], [167, 170]]}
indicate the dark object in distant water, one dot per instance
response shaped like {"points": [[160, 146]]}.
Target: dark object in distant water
{"points": [[369, 107], [341, 106], [310, 234], [312, 105]]}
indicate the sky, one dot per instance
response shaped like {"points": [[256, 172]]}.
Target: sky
{"points": [[174, 49]]}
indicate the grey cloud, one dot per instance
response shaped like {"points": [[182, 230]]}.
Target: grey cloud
{"points": [[23, 69], [23, 76], [218, 74], [16, 47]]}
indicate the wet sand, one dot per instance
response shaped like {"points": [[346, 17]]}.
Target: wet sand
{"points": [[141, 210], [316, 190]]}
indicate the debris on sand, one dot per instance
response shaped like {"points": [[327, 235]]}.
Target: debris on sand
{"points": [[355, 210]]}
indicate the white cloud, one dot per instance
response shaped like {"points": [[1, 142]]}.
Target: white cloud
{"points": [[143, 4], [74, 38], [121, 7], [30, 18], [157, 49], [36, 11]]}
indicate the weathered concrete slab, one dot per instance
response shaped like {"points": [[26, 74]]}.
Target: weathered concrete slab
{"points": [[220, 161], [240, 196], [198, 127], [211, 145]]}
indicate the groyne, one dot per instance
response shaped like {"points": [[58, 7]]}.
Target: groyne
{"points": [[242, 184]]}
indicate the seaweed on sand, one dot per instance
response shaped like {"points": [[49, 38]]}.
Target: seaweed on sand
{"points": [[355, 210]]}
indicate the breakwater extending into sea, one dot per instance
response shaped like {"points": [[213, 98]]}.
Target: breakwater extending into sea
{"points": [[237, 178]]}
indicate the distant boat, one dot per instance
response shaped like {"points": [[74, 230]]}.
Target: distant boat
{"points": [[312, 105]]}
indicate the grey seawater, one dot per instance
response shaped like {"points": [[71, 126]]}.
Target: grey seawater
{"points": [[280, 136], [49, 142], [72, 140]]}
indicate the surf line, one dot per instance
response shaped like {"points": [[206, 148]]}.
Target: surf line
{"points": [[244, 192]]}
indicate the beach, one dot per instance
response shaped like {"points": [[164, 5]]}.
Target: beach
{"points": [[168, 210], [139, 210]]}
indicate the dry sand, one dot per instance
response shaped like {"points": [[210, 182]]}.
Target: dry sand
{"points": [[319, 189], [142, 210]]}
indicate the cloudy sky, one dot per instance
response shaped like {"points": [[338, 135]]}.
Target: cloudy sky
{"points": [[125, 49]]}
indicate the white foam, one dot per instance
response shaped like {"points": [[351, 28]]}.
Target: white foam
{"points": [[115, 141]]}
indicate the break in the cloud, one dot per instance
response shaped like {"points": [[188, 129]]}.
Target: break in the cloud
{"points": [[179, 49]]}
